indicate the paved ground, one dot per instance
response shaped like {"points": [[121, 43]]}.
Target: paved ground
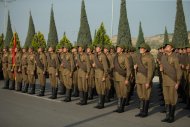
{"points": [[23, 110]]}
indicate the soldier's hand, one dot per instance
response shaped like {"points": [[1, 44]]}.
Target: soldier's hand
{"points": [[93, 65], [86, 76], [44, 72], [56, 74], [70, 75], [62, 65], [135, 66], [176, 86], [126, 82], [161, 67], [147, 85], [103, 79]]}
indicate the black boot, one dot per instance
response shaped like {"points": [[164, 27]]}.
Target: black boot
{"points": [[119, 105], [107, 97], [141, 107], [42, 91], [54, 93], [81, 95], [99, 102], [68, 95], [85, 98], [172, 113], [62, 89], [102, 101], [145, 110], [128, 99], [75, 92], [12, 85], [167, 107], [32, 90], [122, 107], [188, 104], [90, 93], [25, 90], [19, 86], [6, 84]]}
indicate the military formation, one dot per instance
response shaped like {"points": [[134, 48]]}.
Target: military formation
{"points": [[105, 71]]}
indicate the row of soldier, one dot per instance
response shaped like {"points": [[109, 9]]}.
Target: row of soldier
{"points": [[84, 70]]}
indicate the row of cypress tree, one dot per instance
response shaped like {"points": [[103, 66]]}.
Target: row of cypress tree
{"points": [[180, 37]]}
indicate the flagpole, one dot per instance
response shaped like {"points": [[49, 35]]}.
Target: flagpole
{"points": [[112, 19]]}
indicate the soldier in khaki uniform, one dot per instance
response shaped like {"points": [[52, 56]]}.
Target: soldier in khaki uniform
{"points": [[31, 67], [83, 64], [101, 72], [144, 74], [91, 80], [11, 70], [172, 73], [41, 63], [122, 73], [75, 73], [4, 67], [110, 72], [67, 64], [60, 55], [24, 65], [17, 68], [53, 68], [132, 56]]}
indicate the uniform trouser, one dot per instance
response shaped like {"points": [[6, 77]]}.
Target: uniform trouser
{"points": [[31, 79], [189, 84], [67, 81], [18, 77], [100, 86], [143, 93], [5, 74], [11, 75], [121, 89], [75, 78], [53, 80], [108, 83], [170, 95], [42, 79], [82, 84]]}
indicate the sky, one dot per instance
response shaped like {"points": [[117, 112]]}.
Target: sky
{"points": [[154, 15]]}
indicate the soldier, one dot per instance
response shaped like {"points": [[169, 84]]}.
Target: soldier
{"points": [[53, 68], [110, 72], [122, 73], [41, 63], [172, 73], [75, 73], [67, 72], [60, 55], [101, 72], [188, 73], [17, 68], [144, 74], [91, 81], [11, 70], [24, 65], [83, 64], [4, 67], [132, 54], [31, 68]]}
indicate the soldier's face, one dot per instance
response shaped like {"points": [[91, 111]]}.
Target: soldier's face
{"points": [[168, 49], [105, 50], [65, 50], [74, 51], [10, 49], [23, 50], [188, 50], [50, 49], [142, 50], [30, 50], [180, 51], [16, 49], [39, 49], [88, 50], [119, 50], [80, 49], [98, 49], [60, 50], [184, 50], [4, 50]]}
